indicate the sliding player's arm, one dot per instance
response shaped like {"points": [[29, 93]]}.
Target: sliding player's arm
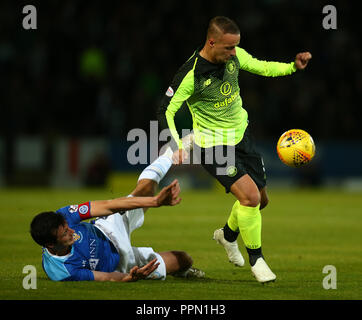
{"points": [[168, 196], [136, 273]]}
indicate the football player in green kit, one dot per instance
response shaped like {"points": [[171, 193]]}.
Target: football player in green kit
{"points": [[208, 84]]}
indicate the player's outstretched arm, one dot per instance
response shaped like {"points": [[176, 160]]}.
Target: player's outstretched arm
{"points": [[168, 196], [136, 273]]}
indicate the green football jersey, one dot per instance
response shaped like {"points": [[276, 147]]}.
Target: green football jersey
{"points": [[212, 93]]}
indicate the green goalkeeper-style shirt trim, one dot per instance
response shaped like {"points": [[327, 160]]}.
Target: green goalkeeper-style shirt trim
{"points": [[212, 93]]}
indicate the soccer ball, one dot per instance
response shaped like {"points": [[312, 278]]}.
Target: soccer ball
{"points": [[295, 148]]}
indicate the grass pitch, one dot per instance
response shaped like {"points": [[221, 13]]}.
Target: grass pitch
{"points": [[303, 231]]}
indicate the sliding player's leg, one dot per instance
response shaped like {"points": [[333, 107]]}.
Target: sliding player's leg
{"points": [[156, 171], [179, 264]]}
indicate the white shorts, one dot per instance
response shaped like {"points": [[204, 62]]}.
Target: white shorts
{"points": [[118, 228]]}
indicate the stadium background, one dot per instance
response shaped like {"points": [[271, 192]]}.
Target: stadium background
{"points": [[92, 71]]}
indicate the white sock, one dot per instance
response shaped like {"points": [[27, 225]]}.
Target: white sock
{"points": [[157, 169], [168, 153]]}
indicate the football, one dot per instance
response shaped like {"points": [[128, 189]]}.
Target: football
{"points": [[295, 148]]}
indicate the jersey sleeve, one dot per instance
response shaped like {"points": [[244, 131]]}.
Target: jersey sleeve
{"points": [[261, 67], [74, 214], [58, 269], [181, 88], [80, 275]]}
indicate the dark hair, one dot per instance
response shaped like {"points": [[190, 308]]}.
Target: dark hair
{"points": [[43, 227], [223, 24]]}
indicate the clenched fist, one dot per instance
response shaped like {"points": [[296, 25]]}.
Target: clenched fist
{"points": [[301, 60]]}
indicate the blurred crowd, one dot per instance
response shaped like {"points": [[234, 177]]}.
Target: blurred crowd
{"points": [[101, 67]]}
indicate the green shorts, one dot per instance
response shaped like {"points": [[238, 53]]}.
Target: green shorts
{"points": [[229, 163]]}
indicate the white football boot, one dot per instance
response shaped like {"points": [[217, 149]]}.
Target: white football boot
{"points": [[231, 248], [195, 273], [190, 273], [262, 272]]}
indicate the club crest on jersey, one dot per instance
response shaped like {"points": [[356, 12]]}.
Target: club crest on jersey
{"points": [[169, 92], [78, 237], [83, 209], [230, 66]]}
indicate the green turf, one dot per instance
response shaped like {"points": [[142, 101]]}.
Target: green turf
{"points": [[303, 231]]}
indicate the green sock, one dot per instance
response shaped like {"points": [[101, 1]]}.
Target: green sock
{"points": [[233, 218], [248, 221]]}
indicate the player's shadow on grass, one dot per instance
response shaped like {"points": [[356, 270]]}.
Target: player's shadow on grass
{"points": [[214, 280]]}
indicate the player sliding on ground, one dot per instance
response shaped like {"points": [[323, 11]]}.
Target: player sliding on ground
{"points": [[101, 250], [208, 83]]}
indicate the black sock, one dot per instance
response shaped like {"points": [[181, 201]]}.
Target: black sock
{"points": [[229, 234], [254, 254]]}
